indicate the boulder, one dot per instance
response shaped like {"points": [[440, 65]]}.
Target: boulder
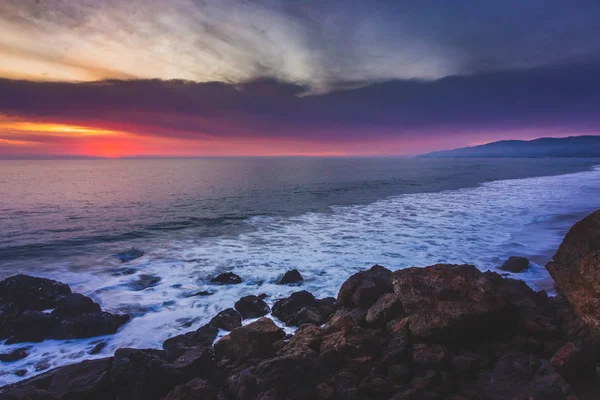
{"points": [[129, 254], [573, 363], [145, 281], [365, 287], [429, 356], [195, 389], [227, 320], [88, 325], [73, 305], [385, 309], [515, 264], [85, 380], [254, 340], [290, 277], [251, 307], [575, 269], [30, 293], [306, 340], [32, 326], [453, 302], [227, 278], [286, 309], [200, 338], [14, 355], [26, 393], [195, 362], [143, 375], [307, 315], [521, 376]]}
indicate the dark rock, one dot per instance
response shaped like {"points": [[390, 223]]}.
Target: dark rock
{"points": [[227, 320], [448, 302], [30, 293], [575, 269], [143, 375], [306, 340], [89, 325], [227, 278], [202, 337], [201, 293], [73, 305], [307, 315], [195, 362], [145, 281], [385, 309], [129, 254], [85, 380], [429, 356], [124, 271], [468, 364], [251, 341], [286, 309], [515, 264], [289, 277], [97, 348], [327, 306], [350, 341], [573, 363], [194, 390], [26, 393], [251, 307], [364, 288], [32, 326], [14, 355], [518, 375]]}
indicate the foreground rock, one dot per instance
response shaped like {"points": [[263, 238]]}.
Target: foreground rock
{"points": [[515, 264], [34, 309], [575, 269]]}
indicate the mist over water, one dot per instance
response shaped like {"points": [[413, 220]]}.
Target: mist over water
{"points": [[260, 217]]}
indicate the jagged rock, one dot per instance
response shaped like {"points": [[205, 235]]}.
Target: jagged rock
{"points": [[515, 264], [14, 355], [251, 307], [385, 309], [195, 389], [143, 375], [349, 341], [306, 340], [448, 302], [89, 325], [227, 320], [73, 305], [327, 306], [518, 375], [145, 281], [286, 309], [251, 341], [31, 293], [27, 393], [573, 363], [227, 278], [429, 356], [202, 337], [32, 326], [307, 315], [575, 269], [195, 362], [467, 364], [86, 380], [289, 277], [365, 287]]}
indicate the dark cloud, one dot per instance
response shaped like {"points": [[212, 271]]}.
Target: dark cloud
{"points": [[558, 98]]}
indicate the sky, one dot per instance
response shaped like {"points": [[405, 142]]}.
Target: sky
{"points": [[119, 78]]}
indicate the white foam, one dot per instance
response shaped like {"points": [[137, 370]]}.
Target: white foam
{"points": [[481, 225]]}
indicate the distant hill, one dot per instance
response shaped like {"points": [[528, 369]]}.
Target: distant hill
{"points": [[573, 146]]}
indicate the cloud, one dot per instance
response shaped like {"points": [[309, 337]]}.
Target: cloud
{"points": [[316, 44]]}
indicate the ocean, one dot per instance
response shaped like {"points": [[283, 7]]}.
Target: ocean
{"points": [[258, 217]]}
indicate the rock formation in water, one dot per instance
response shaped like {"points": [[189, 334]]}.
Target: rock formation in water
{"points": [[438, 332]]}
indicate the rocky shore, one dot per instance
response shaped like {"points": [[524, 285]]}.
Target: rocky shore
{"points": [[438, 332]]}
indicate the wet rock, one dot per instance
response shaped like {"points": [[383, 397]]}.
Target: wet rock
{"points": [[467, 364], [286, 309], [519, 375], [227, 320], [227, 278], [254, 340], [306, 340], [327, 306], [195, 362], [202, 337], [85, 380], [124, 271], [129, 254], [30, 293], [193, 390], [575, 269], [515, 264], [364, 288], [73, 305], [142, 375], [448, 302], [429, 356], [89, 325], [26, 393], [350, 341], [307, 315], [14, 355], [202, 293], [251, 307], [145, 281], [32, 326], [387, 308], [97, 348], [290, 277], [573, 363]]}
